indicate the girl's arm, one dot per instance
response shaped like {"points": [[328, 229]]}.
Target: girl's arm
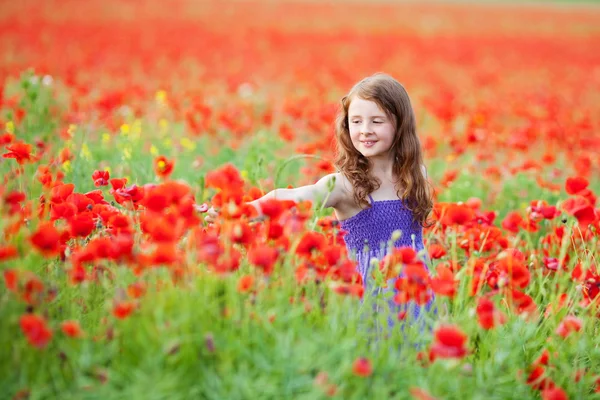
{"points": [[328, 191]]}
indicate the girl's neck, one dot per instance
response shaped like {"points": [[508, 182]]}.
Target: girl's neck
{"points": [[383, 169]]}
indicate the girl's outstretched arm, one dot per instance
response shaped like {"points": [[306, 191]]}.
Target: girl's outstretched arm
{"points": [[328, 191]]}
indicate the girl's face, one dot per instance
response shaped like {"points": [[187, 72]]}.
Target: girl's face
{"points": [[371, 130]]}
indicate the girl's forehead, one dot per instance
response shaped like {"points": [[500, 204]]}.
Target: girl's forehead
{"points": [[359, 106]]}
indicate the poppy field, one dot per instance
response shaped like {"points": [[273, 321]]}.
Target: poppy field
{"points": [[121, 123]]}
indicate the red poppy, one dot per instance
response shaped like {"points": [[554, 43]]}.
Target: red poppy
{"points": [[554, 393], [47, 239], [568, 325], [263, 256], [457, 214], [163, 166], [576, 184], [580, 208], [123, 309], [449, 342], [36, 330], [513, 222], [60, 192], [522, 302], [136, 289], [20, 151], [351, 289], [420, 394], [444, 282], [82, 224], [436, 251], [362, 367], [538, 379], [11, 279], [310, 242], [413, 284], [72, 329], [488, 316], [542, 359], [245, 283], [8, 252], [100, 178]]}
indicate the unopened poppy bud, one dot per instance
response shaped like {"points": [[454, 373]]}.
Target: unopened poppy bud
{"points": [[396, 235]]}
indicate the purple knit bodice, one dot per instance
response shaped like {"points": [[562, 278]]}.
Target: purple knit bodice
{"points": [[369, 231], [368, 236]]}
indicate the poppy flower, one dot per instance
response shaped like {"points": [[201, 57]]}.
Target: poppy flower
{"points": [[576, 184], [7, 252], [413, 284], [487, 315], [245, 283], [351, 289], [513, 222], [444, 282], [100, 178], [82, 224], [46, 239], [420, 394], [123, 309], [310, 241], [436, 251], [20, 151], [581, 209], [362, 367], [568, 325], [263, 256], [538, 379], [449, 342], [554, 393], [163, 167], [457, 214], [36, 330], [72, 329], [11, 279]]}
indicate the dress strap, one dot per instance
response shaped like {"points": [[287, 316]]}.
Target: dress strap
{"points": [[372, 201]]}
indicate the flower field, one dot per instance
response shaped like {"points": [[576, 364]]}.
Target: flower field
{"points": [[118, 118]]}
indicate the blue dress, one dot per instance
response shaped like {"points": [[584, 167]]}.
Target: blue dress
{"points": [[367, 237]]}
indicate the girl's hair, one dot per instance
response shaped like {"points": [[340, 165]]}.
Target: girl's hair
{"points": [[391, 97]]}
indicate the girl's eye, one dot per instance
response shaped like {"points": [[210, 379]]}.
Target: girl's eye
{"points": [[356, 122], [378, 122]]}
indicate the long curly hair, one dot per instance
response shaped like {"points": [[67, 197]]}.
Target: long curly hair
{"points": [[412, 187]]}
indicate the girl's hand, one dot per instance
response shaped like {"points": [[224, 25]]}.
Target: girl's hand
{"points": [[211, 215]]}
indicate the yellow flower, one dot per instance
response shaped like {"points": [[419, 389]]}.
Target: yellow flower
{"points": [[161, 97], [85, 152], [10, 127], [105, 137], [153, 150], [244, 174], [168, 142], [125, 129], [163, 125], [187, 144], [71, 129], [66, 166], [127, 153]]}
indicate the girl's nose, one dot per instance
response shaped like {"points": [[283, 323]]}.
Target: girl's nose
{"points": [[366, 129]]}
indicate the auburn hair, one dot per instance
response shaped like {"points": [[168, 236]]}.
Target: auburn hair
{"points": [[412, 186]]}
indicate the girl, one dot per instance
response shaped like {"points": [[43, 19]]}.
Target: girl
{"points": [[381, 191]]}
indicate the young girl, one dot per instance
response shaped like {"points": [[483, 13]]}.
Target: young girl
{"points": [[381, 190]]}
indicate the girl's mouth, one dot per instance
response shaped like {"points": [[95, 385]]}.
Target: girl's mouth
{"points": [[369, 143]]}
